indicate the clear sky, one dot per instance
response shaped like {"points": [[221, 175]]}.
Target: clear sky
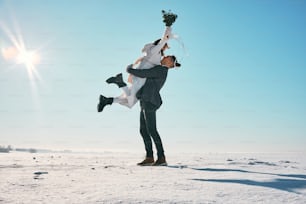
{"points": [[241, 86]]}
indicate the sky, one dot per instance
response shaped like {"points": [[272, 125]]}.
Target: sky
{"points": [[241, 86]]}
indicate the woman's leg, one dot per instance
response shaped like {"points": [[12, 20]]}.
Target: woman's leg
{"points": [[134, 88], [126, 90]]}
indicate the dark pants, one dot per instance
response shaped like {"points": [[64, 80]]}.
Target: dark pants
{"points": [[148, 129]]}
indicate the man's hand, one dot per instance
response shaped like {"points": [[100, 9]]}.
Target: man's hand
{"points": [[129, 67]]}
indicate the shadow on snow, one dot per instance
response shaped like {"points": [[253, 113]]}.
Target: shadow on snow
{"points": [[289, 185], [300, 176]]}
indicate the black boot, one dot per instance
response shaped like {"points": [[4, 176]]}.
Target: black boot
{"points": [[103, 101], [116, 80]]}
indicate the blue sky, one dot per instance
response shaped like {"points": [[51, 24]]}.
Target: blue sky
{"points": [[241, 86]]}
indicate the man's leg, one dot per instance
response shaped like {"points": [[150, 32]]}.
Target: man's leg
{"points": [[149, 160], [150, 119], [145, 135]]}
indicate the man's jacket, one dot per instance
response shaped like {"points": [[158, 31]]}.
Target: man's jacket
{"points": [[156, 77]]}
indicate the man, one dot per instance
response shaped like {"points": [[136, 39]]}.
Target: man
{"points": [[152, 54], [150, 101]]}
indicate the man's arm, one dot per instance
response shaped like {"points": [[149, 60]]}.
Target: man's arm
{"points": [[154, 72]]}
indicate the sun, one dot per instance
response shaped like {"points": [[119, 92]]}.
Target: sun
{"points": [[28, 58], [19, 54]]}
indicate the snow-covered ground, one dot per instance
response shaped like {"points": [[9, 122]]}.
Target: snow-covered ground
{"points": [[190, 178]]}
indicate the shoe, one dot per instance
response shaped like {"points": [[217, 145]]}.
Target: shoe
{"points": [[147, 162], [160, 162], [116, 80], [103, 101]]}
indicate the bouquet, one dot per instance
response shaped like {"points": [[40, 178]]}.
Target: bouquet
{"points": [[168, 17]]}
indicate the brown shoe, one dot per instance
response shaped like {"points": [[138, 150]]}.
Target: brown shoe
{"points": [[147, 162], [160, 162]]}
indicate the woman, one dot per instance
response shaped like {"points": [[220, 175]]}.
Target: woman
{"points": [[153, 53]]}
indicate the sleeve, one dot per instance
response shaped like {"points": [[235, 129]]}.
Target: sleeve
{"points": [[167, 34], [155, 72], [147, 47]]}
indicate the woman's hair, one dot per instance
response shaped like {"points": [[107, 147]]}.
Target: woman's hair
{"points": [[176, 64], [156, 43]]}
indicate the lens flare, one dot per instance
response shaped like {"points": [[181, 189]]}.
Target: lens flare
{"points": [[28, 58], [19, 54]]}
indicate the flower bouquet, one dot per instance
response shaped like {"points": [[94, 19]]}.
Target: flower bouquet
{"points": [[168, 17]]}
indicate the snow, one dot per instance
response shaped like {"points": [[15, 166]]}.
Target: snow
{"points": [[114, 177]]}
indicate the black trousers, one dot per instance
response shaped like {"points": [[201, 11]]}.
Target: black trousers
{"points": [[148, 129]]}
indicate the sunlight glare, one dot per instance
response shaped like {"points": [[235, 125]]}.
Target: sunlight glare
{"points": [[19, 54], [28, 58]]}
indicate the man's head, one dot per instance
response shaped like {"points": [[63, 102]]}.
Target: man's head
{"points": [[170, 61]]}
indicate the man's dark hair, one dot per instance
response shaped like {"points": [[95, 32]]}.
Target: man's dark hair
{"points": [[176, 64]]}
